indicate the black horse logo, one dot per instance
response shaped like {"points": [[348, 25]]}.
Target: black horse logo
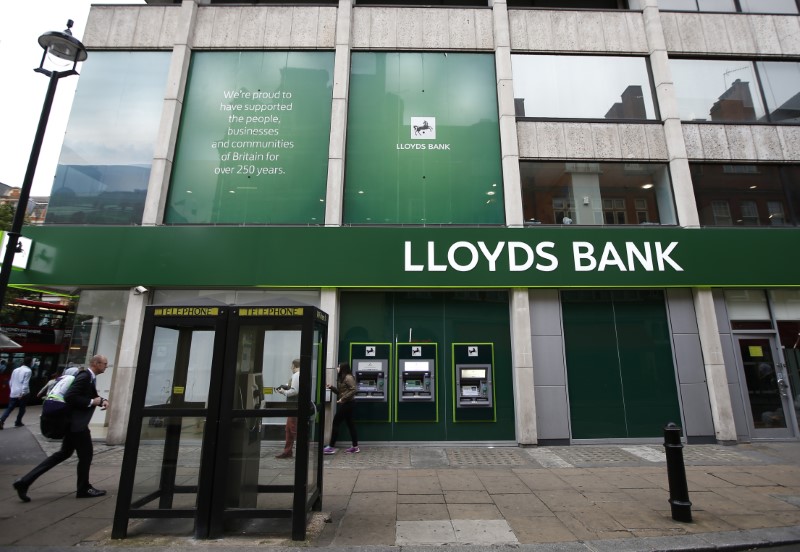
{"points": [[422, 128]]}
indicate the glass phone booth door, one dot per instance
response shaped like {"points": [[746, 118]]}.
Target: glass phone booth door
{"points": [[215, 404]]}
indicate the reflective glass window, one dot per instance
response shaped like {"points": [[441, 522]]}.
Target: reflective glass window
{"points": [[423, 140], [698, 5], [582, 87], [253, 142], [596, 193], [781, 84], [105, 161], [746, 195], [769, 6], [716, 90], [592, 4]]}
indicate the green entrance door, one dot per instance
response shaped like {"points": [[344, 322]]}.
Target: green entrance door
{"points": [[620, 368]]}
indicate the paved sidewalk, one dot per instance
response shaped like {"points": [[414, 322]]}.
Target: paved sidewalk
{"points": [[582, 497]]}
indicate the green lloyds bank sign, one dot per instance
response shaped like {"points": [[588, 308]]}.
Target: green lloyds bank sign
{"points": [[417, 257]]}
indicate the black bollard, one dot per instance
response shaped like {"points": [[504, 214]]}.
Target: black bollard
{"points": [[676, 473]]}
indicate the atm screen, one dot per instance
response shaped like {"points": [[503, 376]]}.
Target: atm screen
{"points": [[470, 391], [417, 366], [413, 385], [370, 366], [478, 373]]}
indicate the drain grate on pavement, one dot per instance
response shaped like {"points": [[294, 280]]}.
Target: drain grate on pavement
{"points": [[591, 456], [486, 457], [378, 457]]}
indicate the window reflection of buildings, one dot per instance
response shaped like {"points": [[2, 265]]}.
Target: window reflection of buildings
{"points": [[740, 195], [735, 104], [589, 193]]}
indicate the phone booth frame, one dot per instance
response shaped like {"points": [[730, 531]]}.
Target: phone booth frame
{"points": [[212, 508]]}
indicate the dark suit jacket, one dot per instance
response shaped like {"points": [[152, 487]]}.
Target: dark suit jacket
{"points": [[78, 397]]}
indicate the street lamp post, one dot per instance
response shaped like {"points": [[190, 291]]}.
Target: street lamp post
{"points": [[64, 46]]}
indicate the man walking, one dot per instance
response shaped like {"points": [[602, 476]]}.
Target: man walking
{"points": [[82, 399], [20, 391]]}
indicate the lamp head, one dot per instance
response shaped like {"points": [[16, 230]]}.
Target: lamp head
{"points": [[63, 45]]}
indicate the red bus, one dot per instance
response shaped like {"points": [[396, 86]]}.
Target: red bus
{"points": [[44, 329]]}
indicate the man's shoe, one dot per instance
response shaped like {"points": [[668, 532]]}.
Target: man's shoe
{"points": [[18, 424], [91, 492], [22, 490], [1, 424], [284, 455]]}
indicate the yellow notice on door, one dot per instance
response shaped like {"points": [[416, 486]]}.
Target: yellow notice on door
{"points": [[756, 351]]}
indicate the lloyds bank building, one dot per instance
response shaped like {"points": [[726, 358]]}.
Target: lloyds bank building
{"points": [[529, 222]]}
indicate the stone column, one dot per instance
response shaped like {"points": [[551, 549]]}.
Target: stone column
{"points": [[125, 370]]}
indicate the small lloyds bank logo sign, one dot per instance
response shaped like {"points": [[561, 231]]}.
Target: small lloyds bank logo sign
{"points": [[423, 128]]}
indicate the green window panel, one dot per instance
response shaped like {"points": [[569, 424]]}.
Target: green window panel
{"points": [[423, 140], [619, 364], [253, 143]]}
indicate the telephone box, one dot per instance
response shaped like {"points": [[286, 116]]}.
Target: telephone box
{"points": [[205, 395]]}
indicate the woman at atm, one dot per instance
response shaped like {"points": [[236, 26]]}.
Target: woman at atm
{"points": [[345, 390]]}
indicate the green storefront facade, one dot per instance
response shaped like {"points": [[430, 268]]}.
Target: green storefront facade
{"points": [[498, 278]]}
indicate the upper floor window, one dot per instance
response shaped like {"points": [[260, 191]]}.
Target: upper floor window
{"points": [[105, 161], [589, 4], [746, 195], [417, 3], [423, 140], [253, 140], [745, 6], [592, 193], [582, 87], [737, 90]]}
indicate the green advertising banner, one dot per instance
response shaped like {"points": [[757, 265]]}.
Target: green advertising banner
{"points": [[423, 140], [253, 142], [384, 257]]}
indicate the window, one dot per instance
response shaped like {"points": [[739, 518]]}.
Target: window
{"points": [[717, 90], [745, 6], [698, 5], [593, 4], [722, 212], [253, 141], [781, 85], [590, 193], [582, 87], [746, 195], [423, 140], [445, 3], [105, 160]]}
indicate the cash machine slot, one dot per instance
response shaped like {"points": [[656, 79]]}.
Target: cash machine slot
{"points": [[474, 385], [371, 379], [417, 380]]}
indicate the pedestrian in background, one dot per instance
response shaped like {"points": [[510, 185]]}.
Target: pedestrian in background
{"points": [[290, 391], [20, 391], [345, 391]]}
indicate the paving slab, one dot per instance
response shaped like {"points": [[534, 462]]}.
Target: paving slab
{"points": [[487, 532]]}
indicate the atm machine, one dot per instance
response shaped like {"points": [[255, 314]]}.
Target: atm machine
{"points": [[417, 379], [473, 382], [371, 363], [474, 385], [371, 381], [417, 393]]}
